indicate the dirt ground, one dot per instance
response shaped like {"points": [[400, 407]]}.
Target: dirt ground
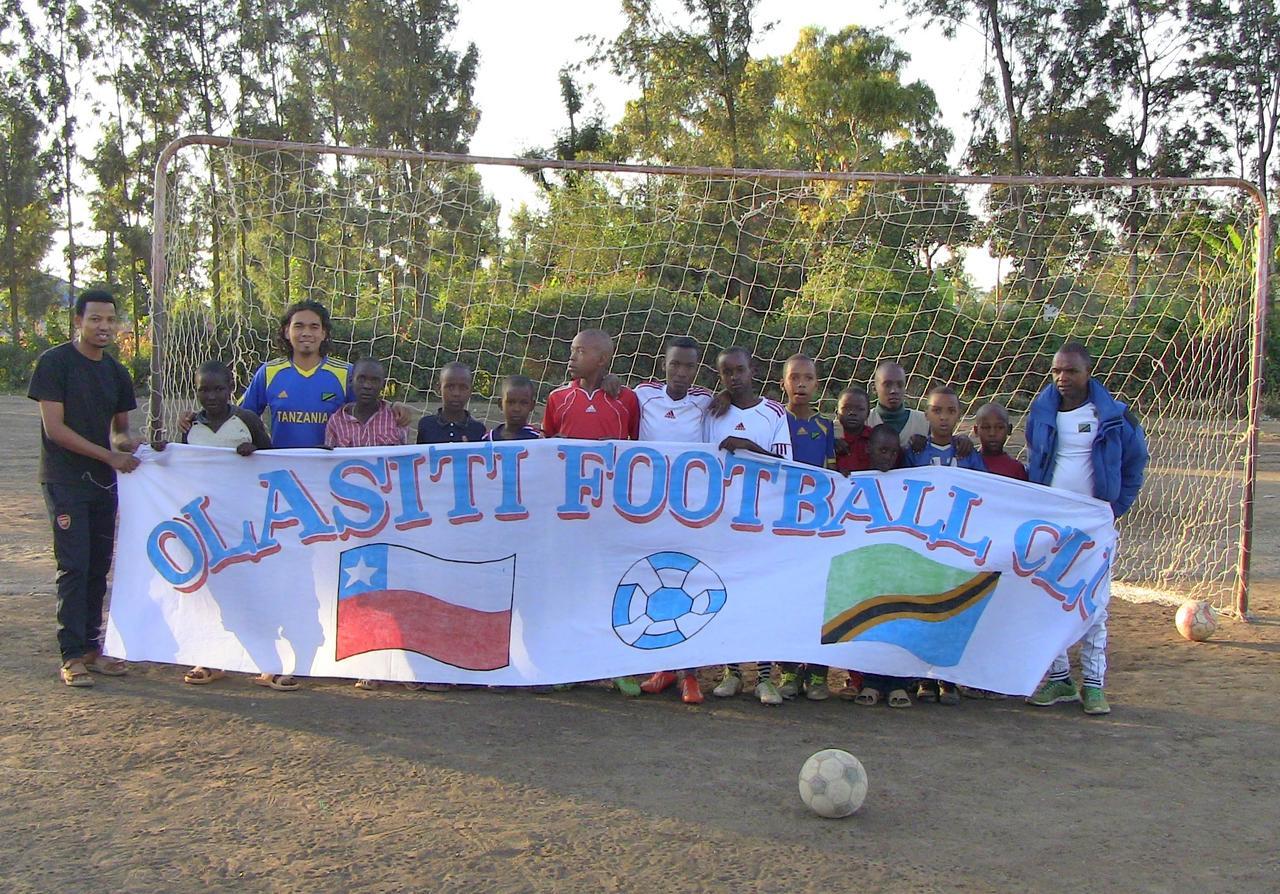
{"points": [[143, 784]]}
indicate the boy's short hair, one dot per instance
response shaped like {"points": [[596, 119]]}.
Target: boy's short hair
{"points": [[215, 368], [799, 358], [369, 361], [1075, 347], [453, 365], [94, 296], [601, 336], [682, 341], [518, 381], [736, 349], [993, 407], [855, 391], [942, 389], [884, 431]]}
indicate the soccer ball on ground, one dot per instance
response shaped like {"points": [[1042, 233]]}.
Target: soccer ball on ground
{"points": [[1196, 620], [833, 783]]}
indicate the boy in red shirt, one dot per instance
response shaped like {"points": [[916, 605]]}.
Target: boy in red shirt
{"points": [[992, 427], [582, 409], [852, 409]]}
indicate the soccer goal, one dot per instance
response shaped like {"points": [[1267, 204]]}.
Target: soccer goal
{"points": [[972, 281]]}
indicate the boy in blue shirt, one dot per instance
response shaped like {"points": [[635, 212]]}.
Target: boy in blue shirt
{"points": [[813, 441], [518, 401], [943, 413], [452, 423]]}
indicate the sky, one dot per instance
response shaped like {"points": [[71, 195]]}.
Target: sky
{"points": [[523, 46]]}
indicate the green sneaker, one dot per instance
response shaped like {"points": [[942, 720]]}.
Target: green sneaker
{"points": [[1051, 692], [627, 686], [815, 688], [789, 685], [1094, 700], [768, 693], [730, 685]]}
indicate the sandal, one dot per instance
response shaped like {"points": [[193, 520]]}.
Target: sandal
{"points": [[868, 696], [75, 674], [367, 685], [898, 698], [278, 682], [199, 676], [108, 667]]}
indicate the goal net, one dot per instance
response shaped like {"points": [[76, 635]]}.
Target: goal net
{"points": [[972, 282]]}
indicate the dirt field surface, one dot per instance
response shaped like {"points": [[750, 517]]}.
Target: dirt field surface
{"points": [[145, 784]]}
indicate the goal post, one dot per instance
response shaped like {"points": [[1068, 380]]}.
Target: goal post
{"points": [[968, 280]]}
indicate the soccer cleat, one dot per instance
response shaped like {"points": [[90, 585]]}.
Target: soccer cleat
{"points": [[729, 686], [815, 688], [1095, 702], [627, 686], [690, 691], [768, 693], [1051, 692], [789, 685], [660, 681]]}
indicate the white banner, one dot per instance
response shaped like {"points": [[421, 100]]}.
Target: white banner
{"points": [[533, 562]]}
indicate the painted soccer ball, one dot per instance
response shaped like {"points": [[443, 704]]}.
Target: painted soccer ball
{"points": [[833, 783], [664, 599], [1196, 620]]}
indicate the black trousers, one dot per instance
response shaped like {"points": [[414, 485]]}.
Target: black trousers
{"points": [[83, 517]]}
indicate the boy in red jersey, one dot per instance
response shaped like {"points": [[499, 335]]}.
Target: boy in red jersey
{"points": [[582, 409], [991, 427]]}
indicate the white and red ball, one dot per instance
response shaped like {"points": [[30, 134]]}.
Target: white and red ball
{"points": [[1196, 620]]}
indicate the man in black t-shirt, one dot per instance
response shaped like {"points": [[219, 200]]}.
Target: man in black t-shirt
{"points": [[85, 397]]}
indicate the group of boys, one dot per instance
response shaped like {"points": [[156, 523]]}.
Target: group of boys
{"points": [[86, 439]]}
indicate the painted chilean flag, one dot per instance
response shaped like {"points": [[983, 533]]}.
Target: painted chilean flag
{"points": [[393, 597]]}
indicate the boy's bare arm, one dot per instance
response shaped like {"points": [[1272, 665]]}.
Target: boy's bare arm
{"points": [[733, 443]]}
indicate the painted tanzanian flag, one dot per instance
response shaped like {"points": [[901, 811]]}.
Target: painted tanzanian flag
{"points": [[888, 593]]}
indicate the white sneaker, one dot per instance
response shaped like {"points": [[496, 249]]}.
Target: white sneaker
{"points": [[729, 686], [768, 693]]}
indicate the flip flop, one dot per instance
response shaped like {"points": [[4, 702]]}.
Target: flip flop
{"points": [[108, 667], [74, 674], [868, 696], [278, 682], [899, 699], [199, 676]]}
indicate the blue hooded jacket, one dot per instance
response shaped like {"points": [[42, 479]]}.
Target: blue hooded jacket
{"points": [[1119, 449]]}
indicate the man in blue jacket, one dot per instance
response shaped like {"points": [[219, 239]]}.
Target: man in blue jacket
{"points": [[1081, 439]]}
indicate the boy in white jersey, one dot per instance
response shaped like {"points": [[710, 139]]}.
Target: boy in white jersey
{"points": [[673, 411], [221, 423], [758, 425]]}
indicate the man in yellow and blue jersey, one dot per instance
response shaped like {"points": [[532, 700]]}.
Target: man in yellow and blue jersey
{"points": [[307, 386]]}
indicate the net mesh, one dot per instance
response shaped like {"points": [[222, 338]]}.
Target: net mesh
{"points": [[970, 284]]}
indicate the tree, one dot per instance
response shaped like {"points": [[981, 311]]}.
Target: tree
{"points": [[26, 167], [66, 58], [1238, 67]]}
